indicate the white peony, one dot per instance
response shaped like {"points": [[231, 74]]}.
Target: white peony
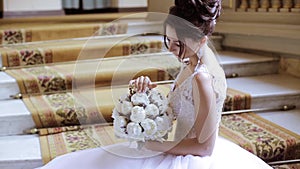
{"points": [[160, 134], [120, 123], [124, 98], [152, 110], [140, 99], [126, 107], [118, 107], [134, 129], [149, 127], [143, 116], [163, 122], [138, 114], [115, 113]]}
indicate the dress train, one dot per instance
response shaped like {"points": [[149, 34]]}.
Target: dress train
{"points": [[226, 155]]}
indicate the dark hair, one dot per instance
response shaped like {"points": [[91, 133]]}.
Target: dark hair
{"points": [[193, 19]]}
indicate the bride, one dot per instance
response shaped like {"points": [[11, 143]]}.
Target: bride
{"points": [[197, 97]]}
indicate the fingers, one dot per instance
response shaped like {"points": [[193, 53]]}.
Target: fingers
{"points": [[142, 83]]}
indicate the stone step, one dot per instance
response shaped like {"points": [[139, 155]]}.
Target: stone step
{"points": [[101, 72], [50, 31], [20, 152], [233, 62], [23, 152], [246, 64], [8, 86], [41, 53], [35, 53], [14, 117], [268, 91], [287, 119]]}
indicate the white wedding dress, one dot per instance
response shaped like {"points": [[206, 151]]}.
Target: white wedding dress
{"points": [[226, 155]]}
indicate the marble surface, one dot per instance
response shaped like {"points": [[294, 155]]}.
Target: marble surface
{"points": [[269, 91], [231, 57], [267, 85], [14, 117], [244, 64], [20, 152], [8, 86], [286, 119]]}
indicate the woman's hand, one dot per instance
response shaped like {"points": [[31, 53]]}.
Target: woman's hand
{"points": [[142, 83]]}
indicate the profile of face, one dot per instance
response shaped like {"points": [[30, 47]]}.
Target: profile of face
{"points": [[191, 47]]}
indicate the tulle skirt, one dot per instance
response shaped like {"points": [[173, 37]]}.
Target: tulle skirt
{"points": [[226, 155]]}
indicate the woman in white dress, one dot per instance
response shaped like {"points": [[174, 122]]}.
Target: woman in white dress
{"points": [[196, 98]]}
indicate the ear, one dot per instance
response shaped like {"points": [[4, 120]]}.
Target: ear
{"points": [[203, 41]]}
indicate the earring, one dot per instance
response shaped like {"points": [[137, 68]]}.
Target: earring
{"points": [[186, 61]]}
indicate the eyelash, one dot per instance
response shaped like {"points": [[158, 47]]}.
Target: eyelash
{"points": [[177, 43]]}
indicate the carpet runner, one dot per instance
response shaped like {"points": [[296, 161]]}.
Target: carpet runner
{"points": [[72, 50], [29, 33], [77, 107], [267, 142], [71, 141], [236, 100], [101, 72], [261, 137]]}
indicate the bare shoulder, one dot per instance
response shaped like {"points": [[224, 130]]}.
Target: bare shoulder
{"points": [[203, 79], [202, 87]]}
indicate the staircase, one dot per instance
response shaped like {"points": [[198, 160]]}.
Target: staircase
{"points": [[254, 74]]}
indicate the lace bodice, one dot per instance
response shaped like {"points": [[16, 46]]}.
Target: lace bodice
{"points": [[182, 103]]}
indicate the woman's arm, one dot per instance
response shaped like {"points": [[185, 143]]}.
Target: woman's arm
{"points": [[205, 123]]}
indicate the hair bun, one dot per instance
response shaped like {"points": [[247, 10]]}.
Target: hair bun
{"points": [[207, 10]]}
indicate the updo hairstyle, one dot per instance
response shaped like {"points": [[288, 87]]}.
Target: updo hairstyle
{"points": [[192, 19]]}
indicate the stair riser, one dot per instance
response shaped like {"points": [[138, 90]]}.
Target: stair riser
{"points": [[275, 101], [251, 69], [14, 117], [20, 152], [13, 125], [8, 86], [22, 164]]}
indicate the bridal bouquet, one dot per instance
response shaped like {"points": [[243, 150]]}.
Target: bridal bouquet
{"points": [[142, 116]]}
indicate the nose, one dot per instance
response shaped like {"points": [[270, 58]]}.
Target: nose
{"points": [[174, 48]]}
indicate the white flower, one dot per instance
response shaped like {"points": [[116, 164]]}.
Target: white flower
{"points": [[161, 133], [138, 114], [143, 116], [134, 129], [120, 123], [139, 98], [118, 107], [124, 97], [163, 108], [163, 122], [151, 110], [149, 127], [126, 107], [115, 113]]}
